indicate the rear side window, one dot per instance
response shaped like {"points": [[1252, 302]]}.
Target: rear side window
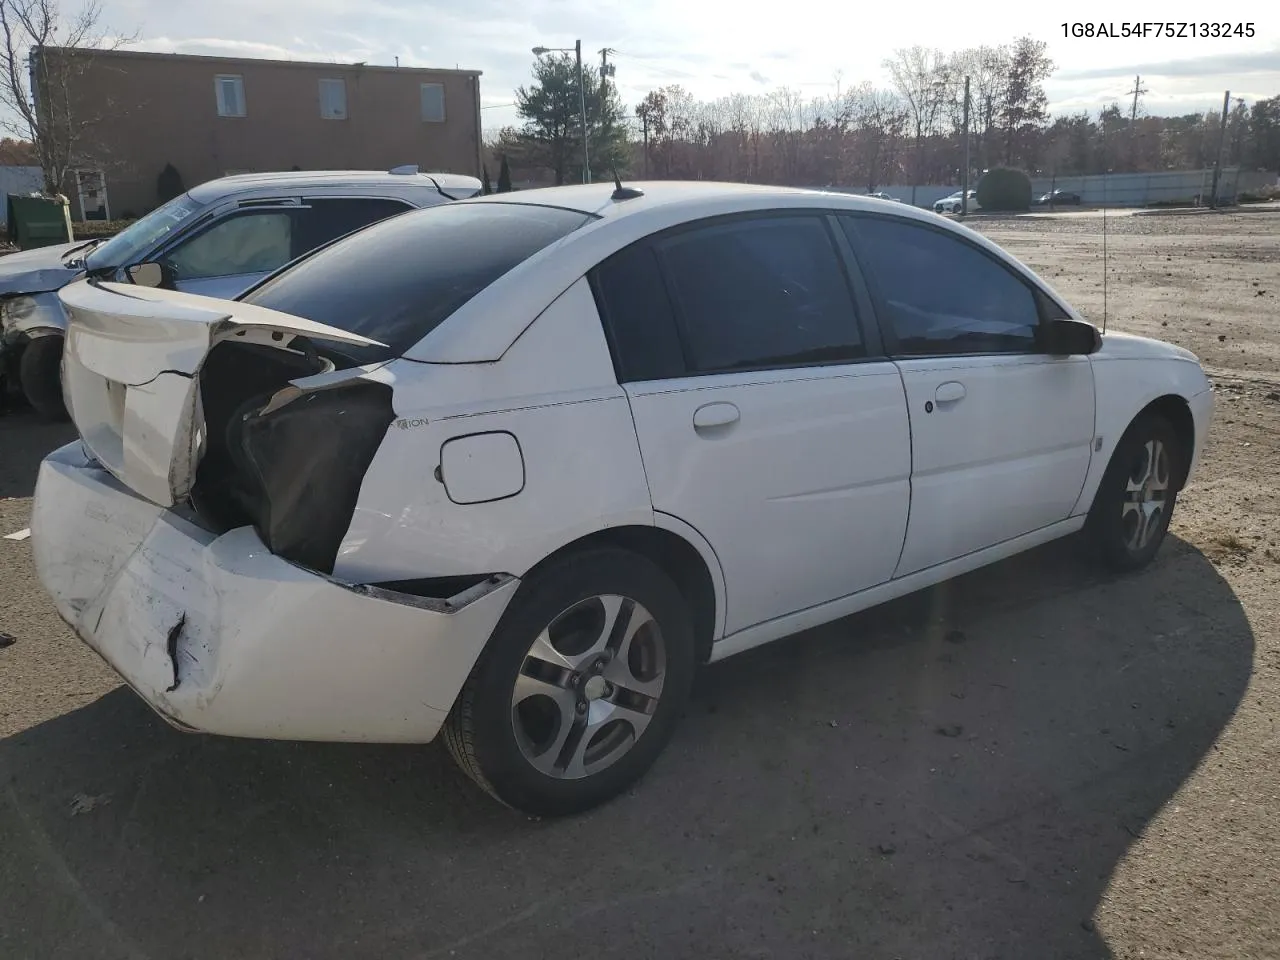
{"points": [[322, 220], [637, 314], [761, 292], [398, 280]]}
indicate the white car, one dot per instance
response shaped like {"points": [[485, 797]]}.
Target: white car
{"points": [[953, 203], [511, 468]]}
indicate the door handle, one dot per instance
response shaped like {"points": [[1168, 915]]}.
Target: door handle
{"points": [[712, 415], [949, 392]]}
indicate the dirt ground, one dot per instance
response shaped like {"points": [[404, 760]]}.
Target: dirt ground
{"points": [[1034, 761]]}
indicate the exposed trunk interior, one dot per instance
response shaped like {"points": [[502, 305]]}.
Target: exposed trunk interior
{"points": [[237, 378]]}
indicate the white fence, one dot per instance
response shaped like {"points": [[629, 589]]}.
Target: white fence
{"points": [[18, 180], [1116, 189], [1145, 189]]}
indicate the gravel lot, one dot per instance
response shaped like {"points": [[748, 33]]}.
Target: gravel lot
{"points": [[1035, 761]]}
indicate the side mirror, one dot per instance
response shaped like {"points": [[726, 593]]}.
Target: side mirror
{"points": [[153, 274], [1065, 338]]}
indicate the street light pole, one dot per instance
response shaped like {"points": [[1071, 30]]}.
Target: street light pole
{"points": [[582, 101]]}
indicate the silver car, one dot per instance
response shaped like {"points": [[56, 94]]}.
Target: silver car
{"points": [[217, 239]]}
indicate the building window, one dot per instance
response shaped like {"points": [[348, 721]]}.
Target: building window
{"points": [[333, 99], [433, 102], [230, 93]]}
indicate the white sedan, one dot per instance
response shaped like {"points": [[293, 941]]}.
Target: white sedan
{"points": [[511, 468], [955, 202]]}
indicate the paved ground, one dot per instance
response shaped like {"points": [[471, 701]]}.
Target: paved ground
{"points": [[1035, 761]]}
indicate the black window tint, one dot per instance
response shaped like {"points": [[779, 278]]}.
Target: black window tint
{"points": [[327, 220], [398, 280], [637, 316], [941, 295], [761, 293]]}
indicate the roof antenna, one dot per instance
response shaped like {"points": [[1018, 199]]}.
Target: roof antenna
{"points": [[1104, 250], [1106, 172], [620, 192]]}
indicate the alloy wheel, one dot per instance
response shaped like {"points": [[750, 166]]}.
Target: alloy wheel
{"points": [[1146, 494], [588, 687]]}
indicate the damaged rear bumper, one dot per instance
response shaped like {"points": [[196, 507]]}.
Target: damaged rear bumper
{"points": [[220, 635]]}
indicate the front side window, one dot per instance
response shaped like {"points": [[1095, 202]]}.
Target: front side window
{"points": [[941, 294], [759, 293], [229, 91], [398, 280], [243, 243]]}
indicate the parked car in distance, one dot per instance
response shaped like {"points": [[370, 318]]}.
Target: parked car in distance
{"points": [[217, 239], [531, 430], [884, 196], [954, 203], [1058, 198]]}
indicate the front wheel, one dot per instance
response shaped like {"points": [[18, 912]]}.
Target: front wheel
{"points": [[40, 376], [580, 686], [1135, 500]]}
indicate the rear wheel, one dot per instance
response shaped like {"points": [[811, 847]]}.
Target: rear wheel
{"points": [[40, 376], [1135, 501], [580, 686]]}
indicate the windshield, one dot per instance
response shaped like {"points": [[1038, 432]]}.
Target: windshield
{"points": [[398, 280], [135, 240]]}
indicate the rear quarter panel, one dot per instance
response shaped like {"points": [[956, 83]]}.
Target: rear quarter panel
{"points": [[555, 391]]}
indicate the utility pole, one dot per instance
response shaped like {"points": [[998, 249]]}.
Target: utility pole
{"points": [[964, 176], [1137, 91], [1222, 140], [644, 120], [606, 68]]}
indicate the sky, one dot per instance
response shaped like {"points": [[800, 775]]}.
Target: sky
{"points": [[715, 47]]}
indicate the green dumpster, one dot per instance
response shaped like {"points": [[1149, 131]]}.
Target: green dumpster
{"points": [[38, 221]]}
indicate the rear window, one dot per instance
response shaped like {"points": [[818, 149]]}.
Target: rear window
{"points": [[398, 280]]}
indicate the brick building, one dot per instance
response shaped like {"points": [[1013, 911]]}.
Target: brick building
{"points": [[213, 116]]}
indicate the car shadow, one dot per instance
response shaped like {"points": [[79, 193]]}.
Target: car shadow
{"points": [[956, 774], [25, 440]]}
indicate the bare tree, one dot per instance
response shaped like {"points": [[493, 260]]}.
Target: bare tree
{"points": [[921, 78], [879, 119], [988, 72], [42, 56]]}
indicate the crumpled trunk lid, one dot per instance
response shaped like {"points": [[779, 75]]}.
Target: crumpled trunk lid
{"points": [[131, 374]]}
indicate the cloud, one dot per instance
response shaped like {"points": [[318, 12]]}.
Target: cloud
{"points": [[712, 48], [1200, 68], [222, 47]]}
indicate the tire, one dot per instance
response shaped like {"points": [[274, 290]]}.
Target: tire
{"points": [[40, 376], [1127, 525], [517, 728]]}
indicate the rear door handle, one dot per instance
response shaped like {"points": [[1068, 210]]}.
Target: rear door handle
{"points": [[712, 415], [949, 392]]}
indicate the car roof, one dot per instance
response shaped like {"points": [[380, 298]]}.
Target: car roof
{"points": [[483, 328], [597, 198], [247, 183]]}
